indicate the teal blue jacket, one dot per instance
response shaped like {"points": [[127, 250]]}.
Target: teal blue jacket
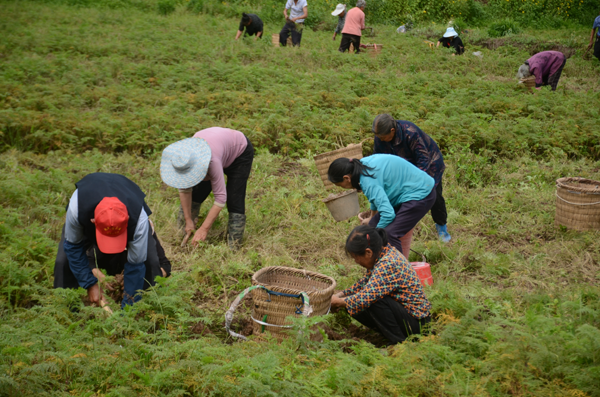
{"points": [[395, 181]]}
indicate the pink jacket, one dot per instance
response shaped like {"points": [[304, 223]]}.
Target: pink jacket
{"points": [[355, 22]]}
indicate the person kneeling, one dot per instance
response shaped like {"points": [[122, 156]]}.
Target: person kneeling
{"points": [[390, 297]]}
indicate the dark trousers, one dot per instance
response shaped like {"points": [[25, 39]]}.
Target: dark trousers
{"points": [[347, 39], [597, 47], [113, 264], [389, 317], [552, 80], [407, 216], [295, 29], [438, 211], [237, 180]]}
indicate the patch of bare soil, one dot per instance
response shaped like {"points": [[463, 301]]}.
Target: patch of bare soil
{"points": [[201, 329], [532, 48]]}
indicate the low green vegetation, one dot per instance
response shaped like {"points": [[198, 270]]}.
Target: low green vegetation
{"points": [[87, 88]]}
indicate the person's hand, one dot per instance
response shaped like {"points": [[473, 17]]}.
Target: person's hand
{"points": [[336, 301], [589, 46], [199, 236], [164, 273], [339, 294], [95, 294], [334, 37], [99, 275], [189, 226]]}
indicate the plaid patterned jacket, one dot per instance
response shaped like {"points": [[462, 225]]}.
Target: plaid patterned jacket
{"points": [[414, 145], [392, 275]]}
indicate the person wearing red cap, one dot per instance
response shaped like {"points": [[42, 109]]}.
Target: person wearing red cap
{"points": [[108, 212]]}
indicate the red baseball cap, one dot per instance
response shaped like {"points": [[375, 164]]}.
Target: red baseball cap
{"points": [[111, 225]]}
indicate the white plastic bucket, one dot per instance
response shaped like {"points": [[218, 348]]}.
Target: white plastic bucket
{"points": [[343, 206]]}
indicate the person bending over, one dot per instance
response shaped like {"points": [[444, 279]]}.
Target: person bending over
{"points": [[546, 66], [400, 194], [451, 40], [408, 141], [253, 25], [595, 35], [390, 297], [340, 12], [353, 27]]}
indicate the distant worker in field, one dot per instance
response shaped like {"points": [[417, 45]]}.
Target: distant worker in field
{"points": [[595, 35], [197, 166], [294, 23], [108, 212], [253, 25], [399, 193], [546, 66], [353, 27], [403, 138], [340, 12], [451, 40], [390, 297]]}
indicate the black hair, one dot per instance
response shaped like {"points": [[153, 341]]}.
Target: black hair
{"points": [[245, 18], [352, 167], [383, 124], [365, 236]]}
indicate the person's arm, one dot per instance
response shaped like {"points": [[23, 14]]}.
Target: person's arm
{"points": [[287, 6], [185, 199], [379, 202], [592, 38], [418, 148], [259, 34], [219, 189], [381, 283], [357, 286], [137, 249], [238, 34], [362, 21], [538, 76], [202, 232]]}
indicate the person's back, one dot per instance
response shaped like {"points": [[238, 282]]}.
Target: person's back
{"points": [[355, 22], [545, 63]]}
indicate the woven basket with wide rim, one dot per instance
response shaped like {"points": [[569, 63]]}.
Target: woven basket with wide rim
{"points": [[275, 40], [318, 287], [323, 161], [529, 82], [578, 203]]}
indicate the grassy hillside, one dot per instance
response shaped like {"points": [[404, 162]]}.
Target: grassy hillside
{"points": [[516, 300]]}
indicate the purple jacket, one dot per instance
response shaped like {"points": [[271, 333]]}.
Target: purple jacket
{"points": [[544, 64]]}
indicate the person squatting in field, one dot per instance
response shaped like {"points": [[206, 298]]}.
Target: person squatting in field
{"points": [[294, 23], [353, 27], [108, 211], [595, 35], [252, 24], [340, 12], [400, 194], [546, 66], [451, 40], [408, 141], [390, 297], [196, 166]]}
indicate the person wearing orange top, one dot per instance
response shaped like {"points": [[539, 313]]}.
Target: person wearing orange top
{"points": [[353, 27]]}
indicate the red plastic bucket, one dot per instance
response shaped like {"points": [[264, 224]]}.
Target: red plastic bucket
{"points": [[423, 271]]}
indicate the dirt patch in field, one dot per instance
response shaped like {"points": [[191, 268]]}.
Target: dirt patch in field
{"points": [[532, 48]]}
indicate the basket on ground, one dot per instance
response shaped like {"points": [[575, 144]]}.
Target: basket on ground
{"points": [[528, 82], [271, 308], [352, 151], [578, 203], [275, 40]]}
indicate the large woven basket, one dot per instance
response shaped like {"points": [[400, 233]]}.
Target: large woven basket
{"points": [[529, 82], [318, 287], [323, 161], [275, 40], [578, 203]]}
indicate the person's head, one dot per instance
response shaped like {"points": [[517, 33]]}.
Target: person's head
{"points": [[364, 245], [345, 173], [110, 219], [450, 33], [361, 4], [524, 71], [384, 127], [340, 10], [246, 20]]}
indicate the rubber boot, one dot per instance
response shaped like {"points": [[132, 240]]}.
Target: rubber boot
{"points": [[235, 230], [195, 213], [443, 233]]}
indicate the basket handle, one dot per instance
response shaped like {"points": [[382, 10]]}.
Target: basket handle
{"points": [[422, 255]]}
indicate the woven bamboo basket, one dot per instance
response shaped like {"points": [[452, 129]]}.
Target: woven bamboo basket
{"points": [[318, 287], [324, 160], [529, 82], [578, 203], [275, 40]]}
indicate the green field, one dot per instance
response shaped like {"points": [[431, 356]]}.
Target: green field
{"points": [[516, 300]]}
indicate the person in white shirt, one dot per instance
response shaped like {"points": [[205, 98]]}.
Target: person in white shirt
{"points": [[294, 23]]}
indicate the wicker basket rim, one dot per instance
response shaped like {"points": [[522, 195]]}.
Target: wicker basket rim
{"points": [[350, 147], [342, 195], [299, 272], [589, 185]]}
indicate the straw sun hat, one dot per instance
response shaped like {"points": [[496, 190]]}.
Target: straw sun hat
{"points": [[339, 9], [450, 32], [184, 164]]}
